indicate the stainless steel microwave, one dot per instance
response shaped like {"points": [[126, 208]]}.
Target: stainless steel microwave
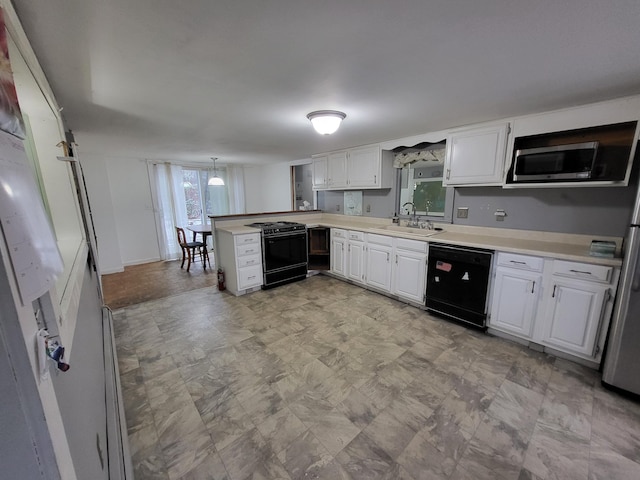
{"points": [[562, 162]]}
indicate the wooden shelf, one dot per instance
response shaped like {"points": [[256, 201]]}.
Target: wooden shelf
{"points": [[319, 248]]}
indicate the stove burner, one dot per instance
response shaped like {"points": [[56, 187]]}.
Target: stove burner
{"points": [[270, 228]]}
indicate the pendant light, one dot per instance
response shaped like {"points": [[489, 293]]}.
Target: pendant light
{"points": [[215, 180], [326, 122]]}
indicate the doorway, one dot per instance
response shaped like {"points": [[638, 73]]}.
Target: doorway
{"points": [[302, 176]]}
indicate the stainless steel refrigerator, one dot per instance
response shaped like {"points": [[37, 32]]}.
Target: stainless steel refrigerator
{"points": [[622, 358]]}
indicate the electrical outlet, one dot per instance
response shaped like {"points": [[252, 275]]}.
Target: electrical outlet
{"points": [[368, 208], [338, 208], [463, 212]]}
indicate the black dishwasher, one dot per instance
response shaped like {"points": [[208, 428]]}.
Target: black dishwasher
{"points": [[458, 282]]}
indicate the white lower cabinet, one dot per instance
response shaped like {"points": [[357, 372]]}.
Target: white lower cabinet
{"points": [[379, 252], [409, 270], [241, 258], [515, 301], [573, 316], [565, 306], [338, 252], [356, 256]]}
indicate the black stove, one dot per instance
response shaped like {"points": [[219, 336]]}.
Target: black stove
{"points": [[284, 252], [271, 228]]}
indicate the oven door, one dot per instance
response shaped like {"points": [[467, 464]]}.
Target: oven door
{"points": [[284, 250]]}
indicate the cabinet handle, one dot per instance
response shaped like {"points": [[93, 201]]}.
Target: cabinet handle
{"points": [[580, 271], [448, 173], [554, 291], [349, 249], [519, 263], [375, 179], [533, 286], [396, 259], [387, 257], [251, 277]]}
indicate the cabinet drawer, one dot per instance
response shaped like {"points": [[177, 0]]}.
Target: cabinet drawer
{"points": [[413, 245], [249, 260], [247, 239], [582, 271], [338, 233], [353, 235], [249, 277], [250, 249], [380, 239], [524, 262]]}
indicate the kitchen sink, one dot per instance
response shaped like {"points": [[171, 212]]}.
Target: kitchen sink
{"points": [[422, 232]]}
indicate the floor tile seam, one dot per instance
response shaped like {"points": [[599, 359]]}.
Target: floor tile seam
{"points": [[170, 296]]}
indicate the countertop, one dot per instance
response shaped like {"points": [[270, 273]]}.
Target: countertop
{"points": [[544, 244]]}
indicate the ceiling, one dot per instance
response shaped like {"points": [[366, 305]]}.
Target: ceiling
{"points": [[234, 79]]}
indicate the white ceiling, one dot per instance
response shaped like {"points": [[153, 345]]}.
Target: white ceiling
{"points": [[191, 79]]}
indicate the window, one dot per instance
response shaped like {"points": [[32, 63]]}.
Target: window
{"points": [[201, 199]]}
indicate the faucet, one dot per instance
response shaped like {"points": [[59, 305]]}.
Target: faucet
{"points": [[414, 221]]}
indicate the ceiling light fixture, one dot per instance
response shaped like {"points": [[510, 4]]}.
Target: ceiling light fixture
{"points": [[326, 122], [215, 180]]}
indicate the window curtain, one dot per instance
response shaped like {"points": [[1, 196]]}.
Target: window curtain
{"points": [[235, 176], [172, 211]]}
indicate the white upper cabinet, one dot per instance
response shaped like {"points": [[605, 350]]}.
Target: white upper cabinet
{"points": [[364, 167], [356, 168], [337, 168], [320, 172], [476, 156]]}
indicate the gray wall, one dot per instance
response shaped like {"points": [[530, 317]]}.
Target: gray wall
{"points": [[602, 211], [596, 211]]}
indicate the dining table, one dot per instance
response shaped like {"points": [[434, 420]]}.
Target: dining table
{"points": [[204, 230]]}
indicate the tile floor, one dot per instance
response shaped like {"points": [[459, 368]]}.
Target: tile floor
{"points": [[324, 380]]}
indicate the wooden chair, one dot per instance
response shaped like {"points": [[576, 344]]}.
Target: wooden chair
{"points": [[189, 250]]}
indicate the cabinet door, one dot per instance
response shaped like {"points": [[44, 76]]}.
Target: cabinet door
{"points": [[320, 172], [338, 257], [337, 170], [409, 275], [476, 156], [364, 167], [356, 261], [379, 267], [574, 316], [515, 301]]}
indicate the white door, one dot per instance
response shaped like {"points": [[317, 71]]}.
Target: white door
{"points": [[409, 275], [574, 316], [363, 167], [356, 261], [515, 301], [338, 257], [379, 267], [337, 170]]}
